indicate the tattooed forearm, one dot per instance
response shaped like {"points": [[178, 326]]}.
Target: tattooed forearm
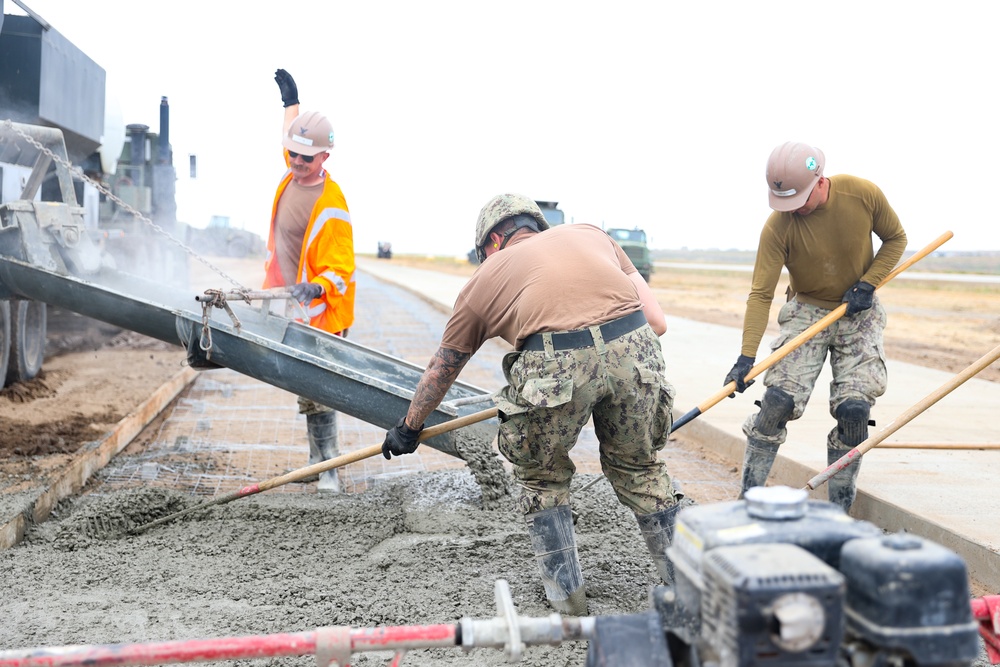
{"points": [[441, 373]]}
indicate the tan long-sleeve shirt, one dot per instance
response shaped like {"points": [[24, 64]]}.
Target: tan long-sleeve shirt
{"points": [[825, 252]]}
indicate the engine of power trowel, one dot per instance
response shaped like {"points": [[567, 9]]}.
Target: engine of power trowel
{"points": [[778, 579]]}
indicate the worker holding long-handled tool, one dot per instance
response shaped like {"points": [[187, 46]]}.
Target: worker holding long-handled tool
{"points": [[821, 231], [594, 352]]}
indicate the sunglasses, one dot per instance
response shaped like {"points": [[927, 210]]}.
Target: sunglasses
{"points": [[305, 158]]}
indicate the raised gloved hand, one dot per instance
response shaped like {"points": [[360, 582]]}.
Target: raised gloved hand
{"points": [[306, 292], [400, 439], [286, 84], [739, 372], [859, 297]]}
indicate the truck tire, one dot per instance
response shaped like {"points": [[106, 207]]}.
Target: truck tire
{"points": [[4, 339], [28, 328]]}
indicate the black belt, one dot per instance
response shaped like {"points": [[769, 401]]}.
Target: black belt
{"points": [[575, 340]]}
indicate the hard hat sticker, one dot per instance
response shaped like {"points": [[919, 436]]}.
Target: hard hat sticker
{"points": [[811, 163]]}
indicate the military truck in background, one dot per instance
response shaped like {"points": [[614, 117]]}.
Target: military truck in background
{"points": [[553, 215], [633, 242]]}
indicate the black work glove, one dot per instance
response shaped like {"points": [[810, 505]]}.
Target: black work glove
{"points": [[739, 371], [400, 439], [306, 292], [286, 84], [859, 297]]}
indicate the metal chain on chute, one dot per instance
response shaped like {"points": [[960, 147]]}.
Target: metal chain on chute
{"points": [[217, 298], [78, 172], [214, 297]]}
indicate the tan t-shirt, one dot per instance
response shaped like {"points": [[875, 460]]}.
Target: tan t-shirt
{"points": [[568, 277], [290, 222]]}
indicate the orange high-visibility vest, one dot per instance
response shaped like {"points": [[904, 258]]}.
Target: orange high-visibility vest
{"points": [[327, 257]]}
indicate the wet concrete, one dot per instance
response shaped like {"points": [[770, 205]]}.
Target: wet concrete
{"points": [[485, 466], [417, 550], [411, 549]]}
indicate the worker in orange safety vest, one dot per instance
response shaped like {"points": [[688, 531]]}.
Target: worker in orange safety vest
{"points": [[310, 249]]}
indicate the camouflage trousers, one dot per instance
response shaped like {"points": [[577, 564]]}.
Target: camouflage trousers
{"points": [[857, 359], [550, 397]]}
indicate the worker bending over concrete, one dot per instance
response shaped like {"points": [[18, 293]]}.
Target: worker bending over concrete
{"points": [[585, 327]]}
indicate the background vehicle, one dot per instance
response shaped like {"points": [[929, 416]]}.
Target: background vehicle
{"points": [[553, 214], [47, 82], [633, 242]]}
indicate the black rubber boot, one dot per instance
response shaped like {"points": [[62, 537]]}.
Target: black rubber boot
{"points": [[758, 457], [658, 532], [554, 545], [322, 430], [842, 487]]}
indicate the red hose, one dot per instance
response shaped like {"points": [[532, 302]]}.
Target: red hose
{"points": [[226, 648]]}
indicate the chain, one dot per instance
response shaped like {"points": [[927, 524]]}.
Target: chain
{"points": [[76, 171], [217, 298], [205, 341]]}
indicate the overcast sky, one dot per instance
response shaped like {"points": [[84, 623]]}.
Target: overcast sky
{"points": [[652, 114]]}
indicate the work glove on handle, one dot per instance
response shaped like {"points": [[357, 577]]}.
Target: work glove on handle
{"points": [[739, 372], [286, 84], [306, 292], [401, 439], [859, 297]]}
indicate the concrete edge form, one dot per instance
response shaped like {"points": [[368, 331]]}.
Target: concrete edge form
{"points": [[983, 564], [91, 458]]}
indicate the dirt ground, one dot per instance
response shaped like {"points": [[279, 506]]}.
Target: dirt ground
{"points": [[419, 550], [942, 325]]}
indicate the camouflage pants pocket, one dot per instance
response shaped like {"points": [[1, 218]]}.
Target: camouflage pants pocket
{"points": [[535, 435], [663, 417], [529, 424]]}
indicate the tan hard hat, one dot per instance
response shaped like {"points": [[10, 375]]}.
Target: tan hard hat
{"points": [[502, 207], [793, 170], [310, 133]]}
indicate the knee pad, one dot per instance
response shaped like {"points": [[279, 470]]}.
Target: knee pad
{"points": [[775, 410], [852, 421]]}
